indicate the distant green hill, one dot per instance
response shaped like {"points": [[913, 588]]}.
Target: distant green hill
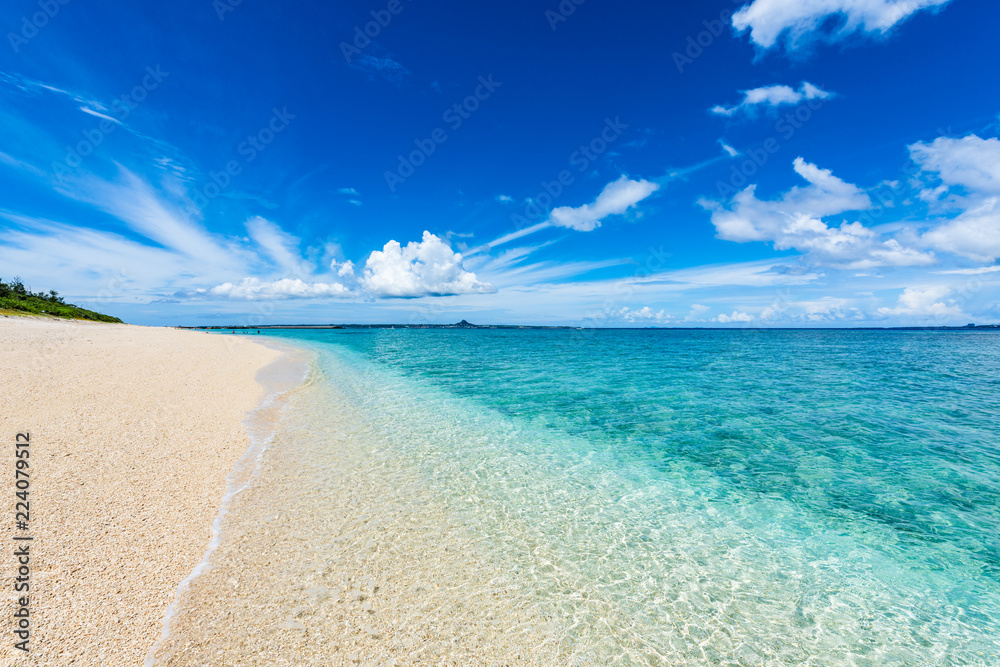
{"points": [[15, 297]]}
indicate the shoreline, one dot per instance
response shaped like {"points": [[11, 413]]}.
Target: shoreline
{"points": [[343, 552], [281, 376], [389, 519], [138, 436]]}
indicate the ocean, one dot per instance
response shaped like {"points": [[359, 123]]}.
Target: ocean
{"points": [[703, 497]]}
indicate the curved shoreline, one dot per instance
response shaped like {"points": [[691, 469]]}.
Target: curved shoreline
{"points": [[340, 552], [134, 432], [280, 377]]}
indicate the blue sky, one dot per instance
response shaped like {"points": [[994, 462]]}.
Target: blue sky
{"points": [[717, 163]]}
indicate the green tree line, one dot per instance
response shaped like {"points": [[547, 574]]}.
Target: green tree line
{"points": [[15, 296]]}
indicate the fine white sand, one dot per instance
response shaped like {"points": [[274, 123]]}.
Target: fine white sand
{"points": [[133, 433], [341, 554]]}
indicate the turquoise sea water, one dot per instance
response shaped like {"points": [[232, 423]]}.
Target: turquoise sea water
{"points": [[711, 497]]}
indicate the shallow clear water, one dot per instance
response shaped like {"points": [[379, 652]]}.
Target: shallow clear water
{"points": [[709, 497]]}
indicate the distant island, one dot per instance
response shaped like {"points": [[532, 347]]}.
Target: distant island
{"points": [[467, 325], [16, 299], [458, 325]]}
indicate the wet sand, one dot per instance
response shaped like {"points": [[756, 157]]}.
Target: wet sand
{"points": [[134, 431], [341, 554]]}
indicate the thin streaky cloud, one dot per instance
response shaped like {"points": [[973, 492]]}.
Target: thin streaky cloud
{"points": [[772, 97], [796, 23]]}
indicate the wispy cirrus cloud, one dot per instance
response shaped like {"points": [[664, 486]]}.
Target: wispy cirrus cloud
{"points": [[729, 150], [427, 268], [84, 259], [102, 116], [772, 97], [255, 289], [34, 87], [759, 273], [136, 203], [12, 161], [977, 271], [385, 68], [352, 195], [279, 246], [165, 249], [797, 23]]}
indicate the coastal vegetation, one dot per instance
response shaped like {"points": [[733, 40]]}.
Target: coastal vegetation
{"points": [[15, 297]]}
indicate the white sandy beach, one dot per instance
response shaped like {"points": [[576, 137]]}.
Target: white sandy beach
{"points": [[133, 432]]}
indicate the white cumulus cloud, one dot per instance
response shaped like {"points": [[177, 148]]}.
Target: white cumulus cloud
{"points": [[426, 268], [616, 198], [795, 221], [343, 269], [971, 162], [925, 302], [644, 314], [738, 316], [969, 173], [773, 96], [799, 21], [697, 311], [255, 289], [975, 233]]}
